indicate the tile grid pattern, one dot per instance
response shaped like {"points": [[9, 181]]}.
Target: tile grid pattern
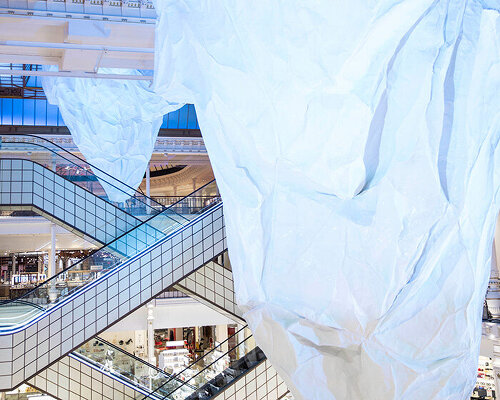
{"points": [[260, 383], [213, 285], [70, 379], [26, 184], [91, 310], [48, 383]]}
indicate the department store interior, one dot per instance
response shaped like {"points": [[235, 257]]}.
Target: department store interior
{"points": [[116, 289]]}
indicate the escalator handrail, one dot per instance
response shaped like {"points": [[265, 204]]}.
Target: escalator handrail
{"points": [[89, 285], [118, 377], [209, 365], [83, 161], [127, 354], [256, 349], [3, 302], [81, 187], [194, 362], [131, 355]]}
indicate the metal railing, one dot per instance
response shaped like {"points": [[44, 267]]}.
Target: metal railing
{"points": [[123, 248], [213, 372]]}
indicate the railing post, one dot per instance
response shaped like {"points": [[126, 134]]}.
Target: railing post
{"points": [[51, 270]]}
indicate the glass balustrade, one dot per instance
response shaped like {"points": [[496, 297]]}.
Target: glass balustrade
{"points": [[74, 169], [113, 360], [201, 379], [215, 370], [19, 311]]}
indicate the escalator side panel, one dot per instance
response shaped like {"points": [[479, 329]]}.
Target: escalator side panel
{"points": [[70, 379], [25, 184], [211, 278], [93, 308], [213, 286]]}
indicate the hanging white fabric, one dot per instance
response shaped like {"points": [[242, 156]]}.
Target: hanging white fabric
{"points": [[114, 123], [355, 145]]}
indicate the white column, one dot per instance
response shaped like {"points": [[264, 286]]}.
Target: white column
{"points": [[52, 263], [196, 336], [493, 293], [240, 337], [13, 264], [151, 338], [148, 189], [178, 334], [52, 252], [221, 336]]}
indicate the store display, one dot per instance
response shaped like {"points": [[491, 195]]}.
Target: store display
{"points": [[218, 362], [174, 361], [485, 383]]}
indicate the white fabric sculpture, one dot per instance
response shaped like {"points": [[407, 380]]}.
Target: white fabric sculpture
{"points": [[356, 147], [114, 123]]}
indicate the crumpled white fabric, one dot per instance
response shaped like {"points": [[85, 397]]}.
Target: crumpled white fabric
{"points": [[114, 123], [355, 145]]}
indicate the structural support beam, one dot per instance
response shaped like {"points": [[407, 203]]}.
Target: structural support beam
{"points": [[52, 251], [151, 334], [76, 44], [13, 264]]}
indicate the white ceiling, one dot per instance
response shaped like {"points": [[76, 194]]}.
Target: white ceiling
{"points": [[20, 234]]}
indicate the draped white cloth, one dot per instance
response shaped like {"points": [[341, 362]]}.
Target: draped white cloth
{"points": [[356, 147], [114, 123]]}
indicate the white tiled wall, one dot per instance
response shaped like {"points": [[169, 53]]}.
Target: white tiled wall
{"points": [[25, 184], [70, 379], [213, 286], [91, 310]]}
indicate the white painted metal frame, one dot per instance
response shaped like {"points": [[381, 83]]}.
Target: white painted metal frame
{"points": [[25, 184]]}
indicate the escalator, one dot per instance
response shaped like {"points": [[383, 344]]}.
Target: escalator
{"points": [[37, 178], [131, 375], [122, 366], [65, 311], [208, 377], [27, 184]]}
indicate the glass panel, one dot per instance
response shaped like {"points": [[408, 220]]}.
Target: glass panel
{"points": [[201, 379], [212, 372], [16, 312], [76, 170], [200, 201], [115, 361]]}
